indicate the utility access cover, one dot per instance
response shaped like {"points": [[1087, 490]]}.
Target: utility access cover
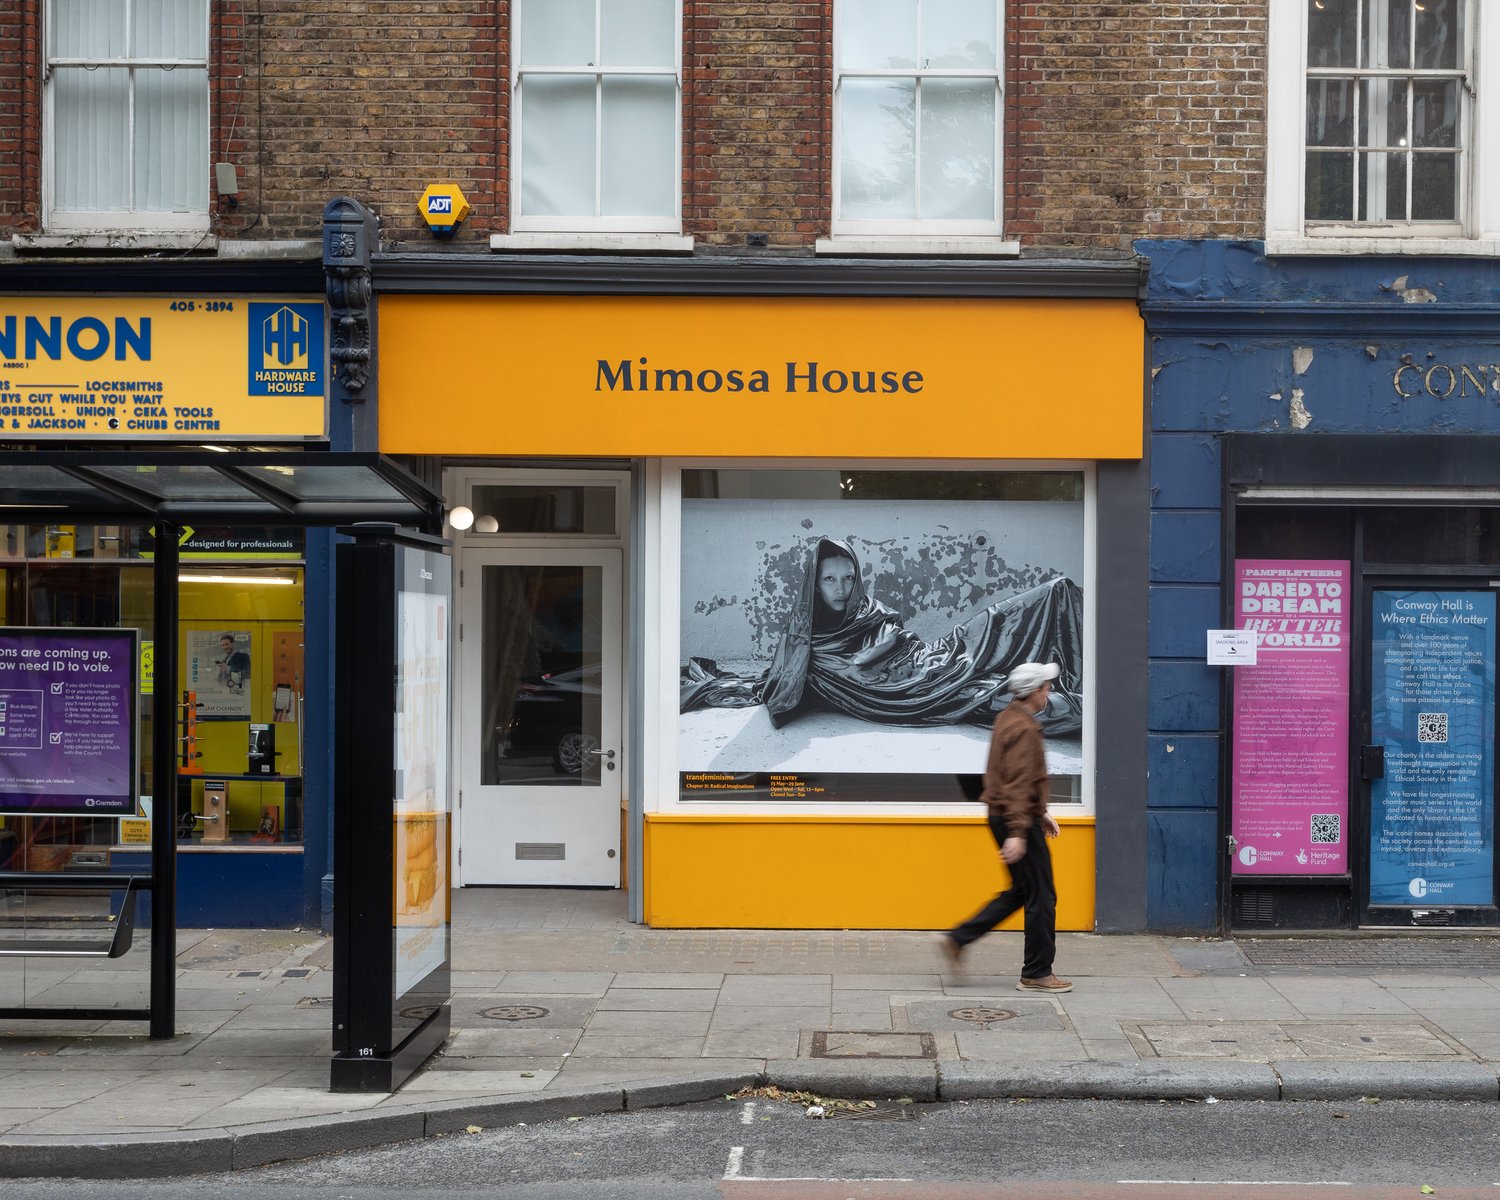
{"points": [[1274, 1041], [835, 1044], [984, 1012]]}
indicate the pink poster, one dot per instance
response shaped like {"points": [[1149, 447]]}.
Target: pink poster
{"points": [[1290, 767]]}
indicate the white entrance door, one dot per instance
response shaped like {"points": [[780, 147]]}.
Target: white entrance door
{"points": [[540, 746]]}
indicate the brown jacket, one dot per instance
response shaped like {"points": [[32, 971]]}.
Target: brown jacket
{"points": [[1015, 778]]}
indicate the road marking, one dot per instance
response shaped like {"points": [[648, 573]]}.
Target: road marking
{"points": [[732, 1167], [747, 1117], [1237, 1182], [819, 1179]]}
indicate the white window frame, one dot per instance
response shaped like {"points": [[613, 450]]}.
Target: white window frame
{"points": [[905, 229], [193, 221], [594, 224], [459, 485], [1287, 231], [662, 561]]}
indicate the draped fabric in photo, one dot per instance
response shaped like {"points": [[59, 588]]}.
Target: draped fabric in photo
{"points": [[865, 663]]}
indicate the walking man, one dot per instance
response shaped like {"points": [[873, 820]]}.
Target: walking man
{"points": [[1015, 789]]}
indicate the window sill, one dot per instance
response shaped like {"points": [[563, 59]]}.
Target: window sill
{"points": [[919, 247], [592, 243], [299, 248], [134, 243], [1287, 247]]}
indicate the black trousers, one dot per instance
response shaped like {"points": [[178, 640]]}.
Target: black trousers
{"points": [[1031, 888]]}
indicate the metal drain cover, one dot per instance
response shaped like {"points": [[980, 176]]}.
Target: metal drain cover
{"points": [[881, 1112], [982, 1016], [419, 1012], [514, 1012]]}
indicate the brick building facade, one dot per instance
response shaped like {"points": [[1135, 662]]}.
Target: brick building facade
{"points": [[1172, 187], [1120, 120]]}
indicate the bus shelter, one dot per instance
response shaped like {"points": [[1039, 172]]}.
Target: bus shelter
{"points": [[169, 491]]}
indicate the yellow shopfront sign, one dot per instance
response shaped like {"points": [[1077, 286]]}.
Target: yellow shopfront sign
{"points": [[776, 377], [177, 369]]}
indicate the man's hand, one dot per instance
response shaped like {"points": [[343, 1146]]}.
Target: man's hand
{"points": [[1013, 850], [1049, 825]]}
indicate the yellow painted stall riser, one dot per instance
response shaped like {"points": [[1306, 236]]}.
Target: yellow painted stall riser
{"points": [[843, 873]]}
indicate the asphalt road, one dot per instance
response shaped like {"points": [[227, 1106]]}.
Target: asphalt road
{"points": [[985, 1150]]}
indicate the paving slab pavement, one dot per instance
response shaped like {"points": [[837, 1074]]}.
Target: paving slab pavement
{"points": [[561, 1007]]}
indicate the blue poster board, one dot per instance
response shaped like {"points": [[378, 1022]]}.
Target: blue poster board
{"points": [[1432, 709]]}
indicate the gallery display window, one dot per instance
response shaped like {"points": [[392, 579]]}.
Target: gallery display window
{"points": [[842, 635]]}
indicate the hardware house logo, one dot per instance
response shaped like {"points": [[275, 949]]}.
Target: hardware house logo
{"points": [[286, 350]]}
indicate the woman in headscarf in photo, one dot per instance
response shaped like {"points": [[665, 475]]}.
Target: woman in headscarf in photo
{"points": [[845, 651]]}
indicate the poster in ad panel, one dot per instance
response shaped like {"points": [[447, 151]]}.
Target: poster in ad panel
{"points": [[421, 801], [858, 650], [68, 721], [1290, 768], [1432, 710]]}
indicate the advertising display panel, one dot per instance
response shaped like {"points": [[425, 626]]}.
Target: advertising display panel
{"points": [[1290, 766], [392, 943], [1432, 711], [421, 863], [68, 721]]}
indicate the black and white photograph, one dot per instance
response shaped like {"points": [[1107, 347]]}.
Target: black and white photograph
{"points": [[874, 637]]}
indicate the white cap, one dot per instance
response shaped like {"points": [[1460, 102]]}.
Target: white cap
{"points": [[1026, 678]]}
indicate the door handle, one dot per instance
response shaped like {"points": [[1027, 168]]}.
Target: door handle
{"points": [[603, 753], [1371, 762]]}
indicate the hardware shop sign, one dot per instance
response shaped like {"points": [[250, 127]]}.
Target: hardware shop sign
{"points": [[187, 368]]}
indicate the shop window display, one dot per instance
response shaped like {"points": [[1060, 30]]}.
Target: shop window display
{"points": [[847, 635], [101, 577]]}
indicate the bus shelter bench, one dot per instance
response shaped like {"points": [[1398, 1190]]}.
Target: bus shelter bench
{"points": [[14, 944]]}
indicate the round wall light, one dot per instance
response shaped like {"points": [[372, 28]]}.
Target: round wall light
{"points": [[461, 517]]}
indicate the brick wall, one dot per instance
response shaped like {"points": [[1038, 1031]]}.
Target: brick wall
{"points": [[1134, 120], [370, 98], [1123, 120], [20, 145], [756, 120]]}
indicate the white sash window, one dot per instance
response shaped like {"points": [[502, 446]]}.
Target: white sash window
{"points": [[597, 116], [917, 117], [126, 114], [1378, 121]]}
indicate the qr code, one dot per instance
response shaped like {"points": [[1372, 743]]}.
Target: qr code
{"points": [[1325, 829], [1432, 727]]}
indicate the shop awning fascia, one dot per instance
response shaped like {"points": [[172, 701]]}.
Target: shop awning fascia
{"points": [[235, 487]]}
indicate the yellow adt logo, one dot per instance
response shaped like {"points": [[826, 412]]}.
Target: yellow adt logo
{"points": [[285, 339]]}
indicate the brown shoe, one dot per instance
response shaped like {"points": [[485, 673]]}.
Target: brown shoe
{"points": [[953, 953], [1044, 983]]}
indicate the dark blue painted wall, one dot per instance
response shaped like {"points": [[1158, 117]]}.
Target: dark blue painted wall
{"points": [[1296, 346], [225, 889]]}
